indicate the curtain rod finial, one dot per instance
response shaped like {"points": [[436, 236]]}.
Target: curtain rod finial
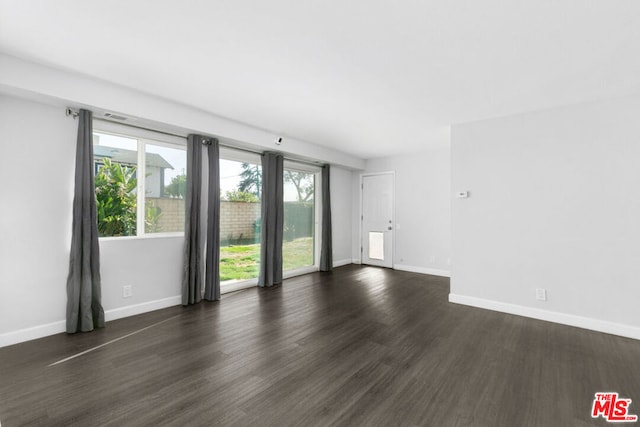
{"points": [[71, 112], [209, 141]]}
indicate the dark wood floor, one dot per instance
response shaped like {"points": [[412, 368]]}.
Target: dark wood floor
{"points": [[359, 346]]}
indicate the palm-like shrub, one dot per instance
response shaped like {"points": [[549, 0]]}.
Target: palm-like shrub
{"points": [[116, 199]]}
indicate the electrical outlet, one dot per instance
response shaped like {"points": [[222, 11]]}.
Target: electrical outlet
{"points": [[127, 291], [541, 294], [432, 259]]}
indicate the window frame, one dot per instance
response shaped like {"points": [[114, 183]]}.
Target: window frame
{"points": [[143, 137], [240, 156]]}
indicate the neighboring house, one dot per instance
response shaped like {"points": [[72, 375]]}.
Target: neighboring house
{"points": [[156, 164]]}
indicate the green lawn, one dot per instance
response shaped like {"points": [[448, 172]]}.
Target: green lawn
{"points": [[241, 262]]}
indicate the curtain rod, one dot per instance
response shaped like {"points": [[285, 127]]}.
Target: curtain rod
{"points": [[100, 119], [74, 113]]}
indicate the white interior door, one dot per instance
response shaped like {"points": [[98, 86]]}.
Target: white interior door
{"points": [[377, 220]]}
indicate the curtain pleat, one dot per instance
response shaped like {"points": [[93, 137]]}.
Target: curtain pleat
{"points": [[326, 250], [212, 278], [192, 279], [272, 220], [84, 307]]}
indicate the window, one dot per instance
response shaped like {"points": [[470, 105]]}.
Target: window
{"points": [[240, 216], [140, 184], [300, 225], [165, 186]]}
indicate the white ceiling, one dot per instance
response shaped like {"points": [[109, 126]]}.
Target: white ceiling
{"points": [[368, 77]]}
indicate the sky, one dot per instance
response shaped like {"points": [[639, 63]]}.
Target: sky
{"points": [[229, 175]]}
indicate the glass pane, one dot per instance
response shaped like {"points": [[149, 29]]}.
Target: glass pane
{"points": [[376, 245], [240, 220], [299, 219], [165, 186], [115, 161]]}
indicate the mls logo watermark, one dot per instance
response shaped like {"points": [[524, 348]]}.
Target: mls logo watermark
{"points": [[612, 408]]}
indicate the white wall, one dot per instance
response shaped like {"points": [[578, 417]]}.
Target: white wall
{"points": [[51, 85], [151, 266], [422, 208], [36, 194], [554, 204]]}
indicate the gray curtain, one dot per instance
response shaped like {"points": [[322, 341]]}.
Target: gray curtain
{"points": [[272, 220], [84, 308], [326, 251], [192, 279], [212, 275], [199, 275]]}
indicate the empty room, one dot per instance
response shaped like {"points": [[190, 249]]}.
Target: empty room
{"points": [[303, 213]]}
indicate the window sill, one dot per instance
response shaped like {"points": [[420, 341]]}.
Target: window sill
{"points": [[287, 274], [237, 285], [144, 237]]}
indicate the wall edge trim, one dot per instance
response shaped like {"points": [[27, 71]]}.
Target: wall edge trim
{"points": [[597, 325]]}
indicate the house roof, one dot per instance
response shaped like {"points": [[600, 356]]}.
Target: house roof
{"points": [[120, 155]]}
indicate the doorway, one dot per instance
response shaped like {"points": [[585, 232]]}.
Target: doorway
{"points": [[377, 221]]}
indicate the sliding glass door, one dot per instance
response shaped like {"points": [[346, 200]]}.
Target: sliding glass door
{"points": [[240, 217], [299, 249], [241, 222]]}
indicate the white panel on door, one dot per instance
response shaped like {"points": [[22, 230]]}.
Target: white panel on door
{"points": [[376, 245]]}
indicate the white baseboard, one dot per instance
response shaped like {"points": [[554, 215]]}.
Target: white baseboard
{"points": [[40, 331], [35, 332], [145, 307], [356, 261], [550, 316], [423, 270], [342, 262]]}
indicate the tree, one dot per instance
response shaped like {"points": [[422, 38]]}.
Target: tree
{"points": [[116, 199], [177, 187], [240, 196], [251, 179], [303, 182]]}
